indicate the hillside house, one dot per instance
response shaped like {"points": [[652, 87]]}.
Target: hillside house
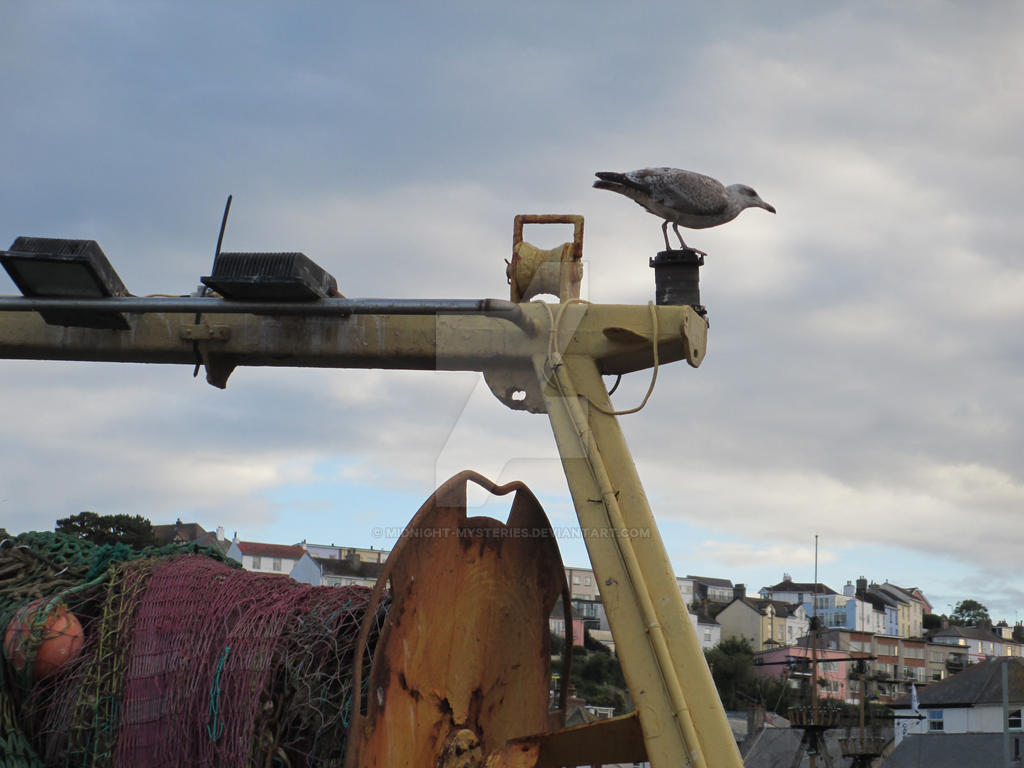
{"points": [[789, 591], [795, 663], [910, 608], [764, 623], [711, 590], [348, 571], [977, 644], [333, 552], [709, 631], [898, 662], [582, 584], [967, 704], [280, 559], [186, 533]]}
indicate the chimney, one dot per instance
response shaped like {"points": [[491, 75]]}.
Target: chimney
{"points": [[848, 590], [786, 577], [739, 591], [220, 533], [862, 585], [755, 720]]}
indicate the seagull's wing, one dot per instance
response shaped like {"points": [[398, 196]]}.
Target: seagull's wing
{"points": [[685, 192]]}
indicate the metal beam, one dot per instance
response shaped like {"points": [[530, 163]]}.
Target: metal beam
{"points": [[347, 333], [678, 706]]}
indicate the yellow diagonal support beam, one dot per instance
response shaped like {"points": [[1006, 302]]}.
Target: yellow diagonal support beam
{"points": [[678, 705]]}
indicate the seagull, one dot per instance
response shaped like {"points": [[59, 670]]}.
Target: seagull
{"points": [[682, 197]]}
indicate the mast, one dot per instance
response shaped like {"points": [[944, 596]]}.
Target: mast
{"points": [[814, 649]]}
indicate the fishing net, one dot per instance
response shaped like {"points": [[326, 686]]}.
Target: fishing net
{"points": [[185, 659]]}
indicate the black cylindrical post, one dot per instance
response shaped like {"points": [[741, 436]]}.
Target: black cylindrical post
{"points": [[677, 277]]}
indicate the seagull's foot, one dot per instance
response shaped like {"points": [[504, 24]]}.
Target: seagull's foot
{"points": [[682, 243]]}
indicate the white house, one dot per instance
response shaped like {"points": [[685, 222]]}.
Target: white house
{"points": [[334, 552], [709, 631], [968, 702], [789, 591], [280, 559], [582, 583]]}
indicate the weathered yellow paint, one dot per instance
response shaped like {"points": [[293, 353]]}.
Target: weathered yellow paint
{"points": [[679, 709]]}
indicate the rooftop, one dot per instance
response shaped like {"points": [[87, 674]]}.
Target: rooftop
{"points": [[788, 585], [707, 581], [259, 549], [978, 684], [782, 609]]}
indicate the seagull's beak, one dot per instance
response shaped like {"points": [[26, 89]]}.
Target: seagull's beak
{"points": [[767, 207]]}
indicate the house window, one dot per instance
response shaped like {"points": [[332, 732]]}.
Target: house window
{"points": [[586, 580], [935, 722], [1014, 720], [707, 639], [576, 580], [277, 563], [257, 562]]}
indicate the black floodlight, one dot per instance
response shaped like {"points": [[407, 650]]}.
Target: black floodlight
{"points": [[57, 268], [270, 277]]}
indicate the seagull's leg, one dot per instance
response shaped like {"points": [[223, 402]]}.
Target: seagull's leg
{"points": [[675, 228], [684, 245], [664, 232]]}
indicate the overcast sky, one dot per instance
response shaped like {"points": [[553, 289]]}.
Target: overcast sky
{"points": [[865, 370]]}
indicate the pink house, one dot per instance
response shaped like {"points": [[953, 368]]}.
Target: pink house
{"points": [[832, 669]]}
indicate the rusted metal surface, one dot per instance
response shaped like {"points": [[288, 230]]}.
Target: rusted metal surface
{"points": [[618, 740], [463, 662]]}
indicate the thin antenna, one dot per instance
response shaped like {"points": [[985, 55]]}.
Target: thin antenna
{"points": [[202, 289], [815, 603], [223, 224]]}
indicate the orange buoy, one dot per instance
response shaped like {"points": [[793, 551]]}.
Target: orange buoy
{"points": [[47, 647]]}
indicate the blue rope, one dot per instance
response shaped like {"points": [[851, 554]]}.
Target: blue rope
{"points": [[215, 729]]}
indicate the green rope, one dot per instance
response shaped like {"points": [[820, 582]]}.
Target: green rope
{"points": [[215, 729]]}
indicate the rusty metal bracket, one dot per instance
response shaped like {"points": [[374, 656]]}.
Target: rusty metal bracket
{"points": [[616, 740]]}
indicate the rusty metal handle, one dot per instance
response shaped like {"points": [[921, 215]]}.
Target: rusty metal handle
{"points": [[548, 218]]}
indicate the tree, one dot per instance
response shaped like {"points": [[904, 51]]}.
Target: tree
{"points": [[557, 644], [732, 667], [133, 530], [597, 677], [969, 613]]}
